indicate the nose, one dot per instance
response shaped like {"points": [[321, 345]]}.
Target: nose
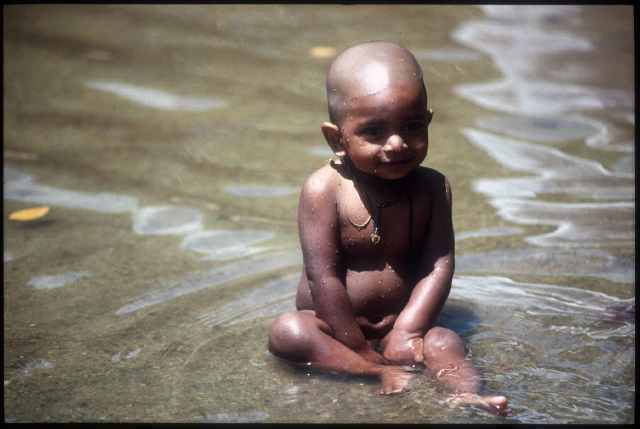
{"points": [[395, 143]]}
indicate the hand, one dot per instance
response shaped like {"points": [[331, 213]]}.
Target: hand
{"points": [[368, 353], [402, 347], [378, 329]]}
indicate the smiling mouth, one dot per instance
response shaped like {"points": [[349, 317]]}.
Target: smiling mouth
{"points": [[397, 162]]}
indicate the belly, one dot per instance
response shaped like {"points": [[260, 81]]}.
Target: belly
{"points": [[375, 294]]}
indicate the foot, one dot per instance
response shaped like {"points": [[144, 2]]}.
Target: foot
{"points": [[494, 404], [394, 380]]}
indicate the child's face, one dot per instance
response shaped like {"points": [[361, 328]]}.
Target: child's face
{"points": [[385, 134]]}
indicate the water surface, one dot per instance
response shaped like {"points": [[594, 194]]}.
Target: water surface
{"points": [[171, 141]]}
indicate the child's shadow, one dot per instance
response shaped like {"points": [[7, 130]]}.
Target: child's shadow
{"points": [[462, 320]]}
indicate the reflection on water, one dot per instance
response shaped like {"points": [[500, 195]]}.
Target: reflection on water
{"points": [[543, 129], [166, 220], [51, 282], [273, 298], [214, 277], [157, 99], [447, 54], [225, 244], [172, 171], [21, 187], [257, 191], [549, 261]]}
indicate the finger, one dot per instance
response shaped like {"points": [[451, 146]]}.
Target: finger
{"points": [[418, 353]]}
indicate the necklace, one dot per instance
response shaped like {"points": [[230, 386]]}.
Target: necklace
{"points": [[360, 226], [376, 235]]}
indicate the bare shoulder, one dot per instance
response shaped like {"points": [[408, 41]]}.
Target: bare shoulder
{"points": [[322, 183]]}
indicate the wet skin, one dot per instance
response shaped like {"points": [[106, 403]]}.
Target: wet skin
{"points": [[353, 292]]}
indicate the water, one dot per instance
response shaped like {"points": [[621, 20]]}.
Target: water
{"points": [[170, 143]]}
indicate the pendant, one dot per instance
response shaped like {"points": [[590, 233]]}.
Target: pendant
{"points": [[375, 238]]}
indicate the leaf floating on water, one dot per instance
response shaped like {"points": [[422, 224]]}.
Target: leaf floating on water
{"points": [[322, 52], [29, 214]]}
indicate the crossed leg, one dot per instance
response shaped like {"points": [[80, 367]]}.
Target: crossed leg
{"points": [[444, 358], [300, 337]]}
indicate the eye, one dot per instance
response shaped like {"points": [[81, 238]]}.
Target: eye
{"points": [[372, 131], [415, 127]]}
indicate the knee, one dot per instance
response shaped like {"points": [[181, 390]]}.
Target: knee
{"points": [[288, 337], [440, 341]]}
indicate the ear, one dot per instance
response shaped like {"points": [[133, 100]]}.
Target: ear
{"points": [[333, 137]]}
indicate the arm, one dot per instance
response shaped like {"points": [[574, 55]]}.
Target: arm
{"points": [[319, 237], [404, 342]]}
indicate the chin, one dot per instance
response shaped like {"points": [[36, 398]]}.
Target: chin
{"points": [[395, 174]]}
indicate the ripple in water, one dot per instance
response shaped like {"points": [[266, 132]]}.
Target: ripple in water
{"points": [[215, 277], [241, 417], [532, 298], [556, 172], [225, 244], [155, 98], [166, 220], [259, 191], [488, 232], [543, 129], [272, 298], [57, 281], [20, 187], [448, 54], [26, 369], [520, 12], [549, 262], [578, 224]]}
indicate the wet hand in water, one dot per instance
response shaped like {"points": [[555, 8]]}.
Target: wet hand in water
{"points": [[402, 348], [378, 329], [368, 353]]}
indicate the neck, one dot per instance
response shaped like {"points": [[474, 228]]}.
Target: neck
{"points": [[381, 190], [379, 185]]}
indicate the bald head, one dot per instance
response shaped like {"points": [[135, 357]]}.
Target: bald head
{"points": [[367, 69]]}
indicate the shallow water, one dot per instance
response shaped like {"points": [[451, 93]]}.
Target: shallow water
{"points": [[170, 143]]}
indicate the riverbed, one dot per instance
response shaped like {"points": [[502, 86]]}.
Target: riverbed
{"points": [[170, 143]]}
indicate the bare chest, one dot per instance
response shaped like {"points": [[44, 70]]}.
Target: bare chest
{"points": [[389, 233]]}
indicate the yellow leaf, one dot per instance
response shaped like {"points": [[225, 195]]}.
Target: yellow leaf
{"points": [[322, 52], [29, 214]]}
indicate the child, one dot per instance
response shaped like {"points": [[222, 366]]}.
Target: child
{"points": [[377, 237]]}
